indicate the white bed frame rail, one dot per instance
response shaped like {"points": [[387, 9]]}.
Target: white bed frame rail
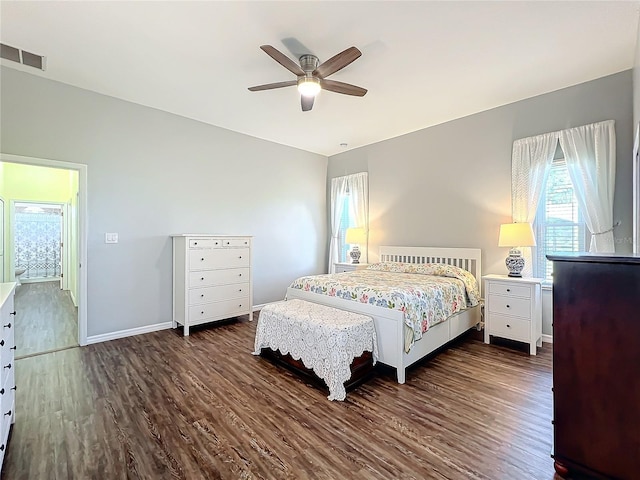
{"points": [[390, 323]]}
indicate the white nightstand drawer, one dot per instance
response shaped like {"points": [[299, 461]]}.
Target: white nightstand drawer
{"points": [[510, 289], [510, 327], [520, 307]]}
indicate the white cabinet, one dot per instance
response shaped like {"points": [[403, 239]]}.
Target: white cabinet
{"points": [[349, 267], [211, 278], [513, 309], [7, 355]]}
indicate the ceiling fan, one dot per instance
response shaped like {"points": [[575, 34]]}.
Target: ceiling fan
{"points": [[312, 76]]}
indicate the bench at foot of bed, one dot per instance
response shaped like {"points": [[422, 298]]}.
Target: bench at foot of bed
{"points": [[323, 339]]}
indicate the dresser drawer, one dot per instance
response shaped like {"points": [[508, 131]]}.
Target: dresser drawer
{"points": [[218, 258], [510, 327], [216, 294], [509, 289], [236, 242], [205, 243], [510, 305], [209, 278], [218, 310], [6, 354]]}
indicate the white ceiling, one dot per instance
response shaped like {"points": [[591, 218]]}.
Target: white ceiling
{"points": [[423, 63]]}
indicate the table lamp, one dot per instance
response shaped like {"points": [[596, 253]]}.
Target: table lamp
{"points": [[355, 237], [516, 235]]}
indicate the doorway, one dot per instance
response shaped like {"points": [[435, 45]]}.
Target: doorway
{"points": [[38, 241], [69, 263]]}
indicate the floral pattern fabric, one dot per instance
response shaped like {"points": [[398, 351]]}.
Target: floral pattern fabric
{"points": [[324, 338], [427, 294]]}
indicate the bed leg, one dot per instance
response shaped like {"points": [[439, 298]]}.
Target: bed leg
{"points": [[401, 375]]}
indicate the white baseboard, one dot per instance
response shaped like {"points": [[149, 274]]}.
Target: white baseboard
{"points": [[128, 333], [547, 338]]}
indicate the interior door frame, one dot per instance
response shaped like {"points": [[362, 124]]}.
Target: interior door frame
{"points": [[82, 267]]}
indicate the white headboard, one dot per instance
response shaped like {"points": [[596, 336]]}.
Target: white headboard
{"points": [[466, 258]]}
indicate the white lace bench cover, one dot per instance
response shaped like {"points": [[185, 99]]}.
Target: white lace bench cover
{"points": [[324, 338]]}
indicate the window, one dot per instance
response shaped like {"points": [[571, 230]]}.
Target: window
{"points": [[559, 225], [347, 220]]}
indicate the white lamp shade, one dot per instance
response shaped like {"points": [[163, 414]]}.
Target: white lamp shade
{"points": [[356, 236], [516, 235]]}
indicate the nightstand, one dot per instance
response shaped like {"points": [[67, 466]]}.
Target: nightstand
{"points": [[513, 309], [349, 267]]}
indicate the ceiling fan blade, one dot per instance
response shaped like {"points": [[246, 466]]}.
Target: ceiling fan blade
{"points": [[307, 102], [341, 87], [269, 86], [283, 60], [337, 62]]}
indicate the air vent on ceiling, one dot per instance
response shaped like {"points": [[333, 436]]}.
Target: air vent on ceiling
{"points": [[21, 56]]}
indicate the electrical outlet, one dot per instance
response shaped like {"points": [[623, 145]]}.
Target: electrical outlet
{"points": [[110, 238]]}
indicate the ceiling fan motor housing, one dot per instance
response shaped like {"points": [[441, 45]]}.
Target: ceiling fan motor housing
{"points": [[308, 63]]}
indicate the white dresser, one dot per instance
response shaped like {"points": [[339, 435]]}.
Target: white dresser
{"points": [[212, 278], [7, 354], [513, 309]]}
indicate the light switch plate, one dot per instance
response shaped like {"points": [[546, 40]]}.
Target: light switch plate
{"points": [[110, 238]]}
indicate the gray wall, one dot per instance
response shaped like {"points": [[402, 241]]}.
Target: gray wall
{"points": [[151, 174], [450, 185]]}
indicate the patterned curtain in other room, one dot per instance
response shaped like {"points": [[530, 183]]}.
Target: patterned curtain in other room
{"points": [[37, 239]]}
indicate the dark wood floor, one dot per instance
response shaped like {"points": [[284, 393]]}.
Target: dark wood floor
{"points": [[163, 406], [47, 319]]}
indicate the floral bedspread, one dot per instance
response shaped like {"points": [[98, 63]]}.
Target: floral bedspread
{"points": [[427, 294]]}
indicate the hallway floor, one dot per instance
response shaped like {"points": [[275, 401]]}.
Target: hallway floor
{"points": [[46, 320]]}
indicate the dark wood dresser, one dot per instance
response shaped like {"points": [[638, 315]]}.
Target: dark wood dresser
{"points": [[596, 366]]}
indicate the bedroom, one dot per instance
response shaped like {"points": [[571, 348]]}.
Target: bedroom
{"points": [[152, 173]]}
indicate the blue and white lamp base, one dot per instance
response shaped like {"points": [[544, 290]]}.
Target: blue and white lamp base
{"points": [[515, 263]]}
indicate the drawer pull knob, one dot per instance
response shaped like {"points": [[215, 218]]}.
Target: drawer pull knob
{"points": [[8, 413], [239, 289], [8, 325], [240, 256], [2, 392], [8, 366], [195, 243], [13, 348], [201, 313], [508, 306], [13, 388], [240, 305], [508, 289], [202, 259], [2, 448], [1, 343], [202, 278], [239, 274], [508, 326], [13, 313]]}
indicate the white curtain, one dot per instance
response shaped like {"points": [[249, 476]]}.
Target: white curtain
{"points": [[590, 153], [357, 187], [530, 163]]}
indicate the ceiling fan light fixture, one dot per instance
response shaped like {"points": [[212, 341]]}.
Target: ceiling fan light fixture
{"points": [[309, 86]]}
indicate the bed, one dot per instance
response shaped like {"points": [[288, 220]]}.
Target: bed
{"points": [[390, 323]]}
